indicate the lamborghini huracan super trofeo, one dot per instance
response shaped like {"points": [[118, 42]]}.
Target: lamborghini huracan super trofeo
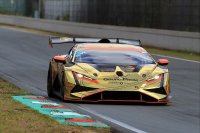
{"points": [[118, 70]]}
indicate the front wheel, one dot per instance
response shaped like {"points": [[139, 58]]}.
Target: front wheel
{"points": [[61, 75], [56, 79], [49, 82]]}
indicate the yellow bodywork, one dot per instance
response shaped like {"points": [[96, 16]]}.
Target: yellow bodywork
{"points": [[109, 81], [98, 80]]}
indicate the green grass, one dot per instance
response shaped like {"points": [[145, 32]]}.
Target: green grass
{"points": [[178, 54], [18, 118]]}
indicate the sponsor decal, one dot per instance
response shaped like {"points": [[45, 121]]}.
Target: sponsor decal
{"points": [[120, 79], [60, 113], [79, 53], [121, 83]]}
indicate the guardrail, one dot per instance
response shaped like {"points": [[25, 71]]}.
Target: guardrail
{"points": [[172, 40]]}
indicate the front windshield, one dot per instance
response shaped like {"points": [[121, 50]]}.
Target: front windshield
{"points": [[113, 57]]}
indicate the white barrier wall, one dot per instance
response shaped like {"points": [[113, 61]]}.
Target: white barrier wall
{"points": [[175, 40]]}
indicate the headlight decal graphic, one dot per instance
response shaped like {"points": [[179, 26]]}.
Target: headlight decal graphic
{"points": [[154, 79], [86, 78]]}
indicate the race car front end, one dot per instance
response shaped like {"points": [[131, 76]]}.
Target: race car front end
{"points": [[147, 84], [97, 70]]}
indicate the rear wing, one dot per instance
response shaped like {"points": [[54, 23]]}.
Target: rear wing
{"points": [[61, 40]]}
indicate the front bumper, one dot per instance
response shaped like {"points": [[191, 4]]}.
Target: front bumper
{"points": [[119, 96]]}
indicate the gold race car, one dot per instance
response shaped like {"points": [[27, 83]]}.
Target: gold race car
{"points": [[97, 70]]}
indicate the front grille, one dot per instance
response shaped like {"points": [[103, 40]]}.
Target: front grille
{"points": [[78, 88], [158, 90], [120, 95]]}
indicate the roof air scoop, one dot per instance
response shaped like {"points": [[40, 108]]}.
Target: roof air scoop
{"points": [[104, 40]]}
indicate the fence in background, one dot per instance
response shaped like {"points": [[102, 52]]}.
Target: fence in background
{"points": [[175, 40], [180, 15], [14, 7]]}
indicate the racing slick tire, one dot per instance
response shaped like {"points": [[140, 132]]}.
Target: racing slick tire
{"points": [[56, 79], [61, 78], [49, 81]]}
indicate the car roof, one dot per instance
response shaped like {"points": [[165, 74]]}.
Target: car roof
{"points": [[109, 46]]}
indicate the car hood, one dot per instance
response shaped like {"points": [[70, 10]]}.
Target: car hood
{"points": [[107, 78], [117, 72]]}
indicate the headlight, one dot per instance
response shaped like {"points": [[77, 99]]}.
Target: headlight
{"points": [[86, 78], [83, 76], [156, 78], [79, 75]]}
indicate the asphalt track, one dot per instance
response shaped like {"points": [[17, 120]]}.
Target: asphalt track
{"points": [[24, 61]]}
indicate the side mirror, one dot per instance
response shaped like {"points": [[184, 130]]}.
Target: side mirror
{"points": [[60, 58], [163, 62]]}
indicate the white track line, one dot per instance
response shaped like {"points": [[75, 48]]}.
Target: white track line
{"points": [[124, 125], [176, 58]]}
